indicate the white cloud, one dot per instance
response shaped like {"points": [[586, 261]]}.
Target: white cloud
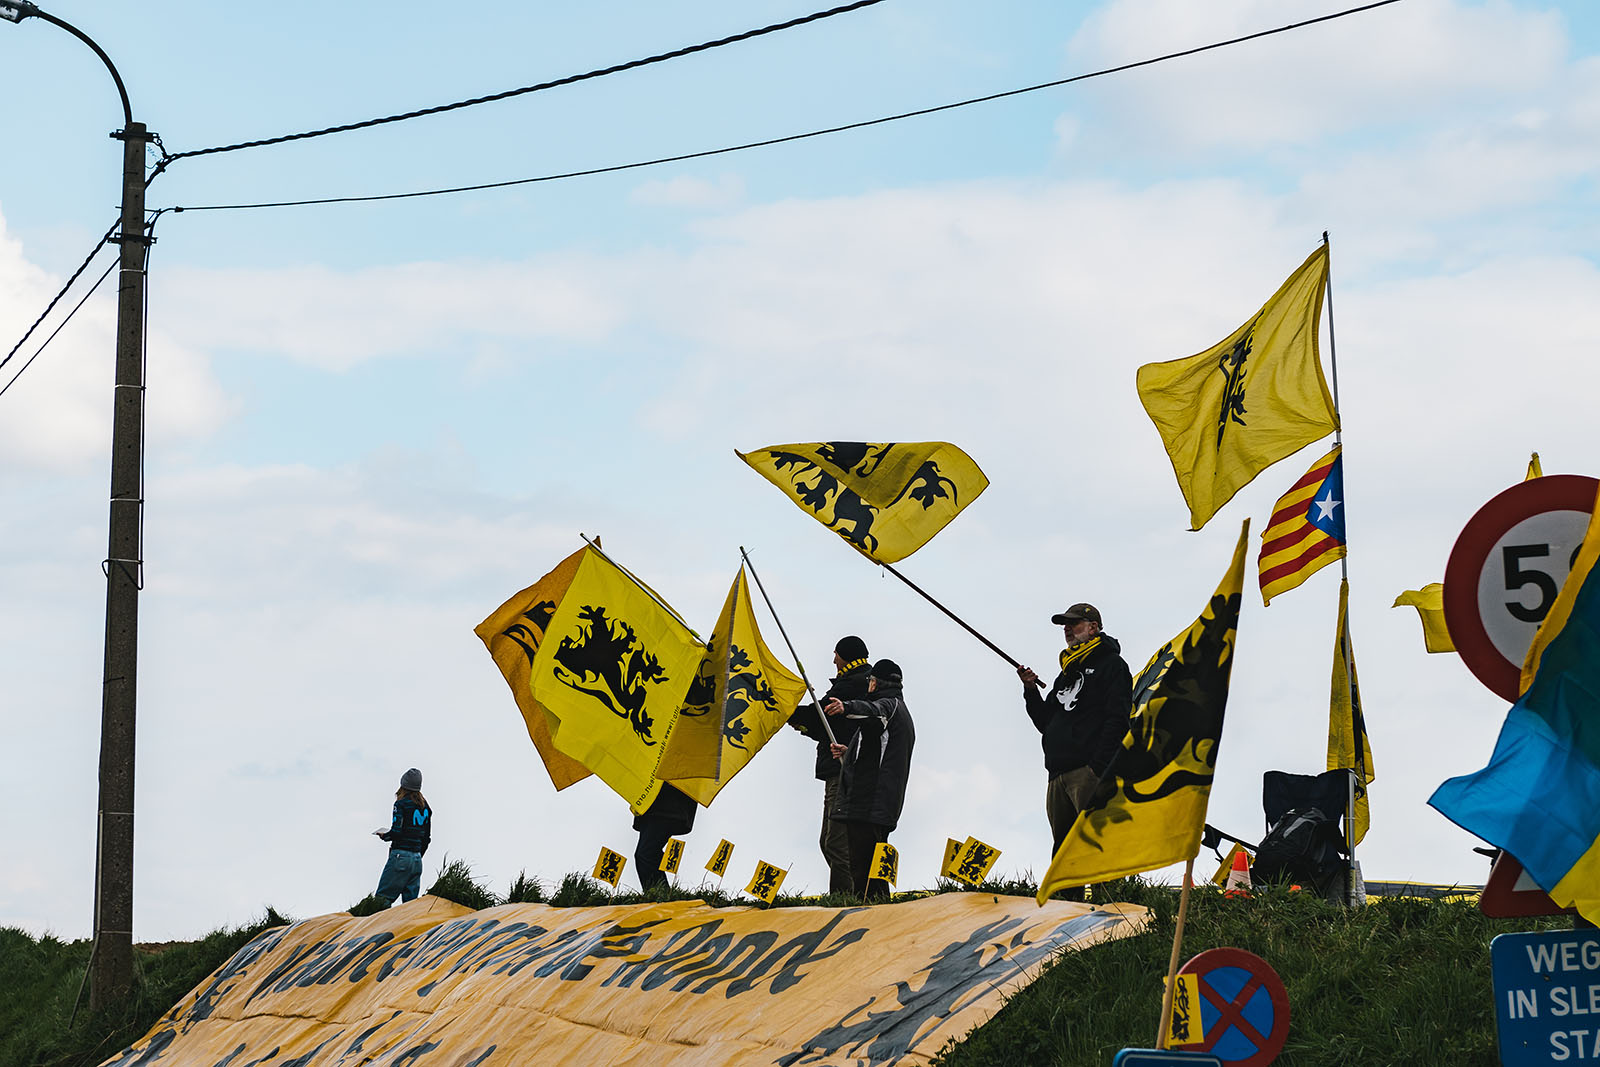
{"points": [[1377, 69], [688, 191]]}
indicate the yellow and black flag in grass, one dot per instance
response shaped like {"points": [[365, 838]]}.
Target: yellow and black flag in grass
{"points": [[1151, 808], [756, 694], [887, 500], [512, 635], [1258, 396], [613, 669], [1348, 747]]}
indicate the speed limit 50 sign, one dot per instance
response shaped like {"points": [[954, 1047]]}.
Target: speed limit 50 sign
{"points": [[1506, 569]]}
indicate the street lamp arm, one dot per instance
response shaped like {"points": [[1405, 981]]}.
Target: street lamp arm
{"points": [[17, 10]]}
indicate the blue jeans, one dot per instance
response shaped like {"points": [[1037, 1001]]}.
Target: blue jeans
{"points": [[401, 877]]}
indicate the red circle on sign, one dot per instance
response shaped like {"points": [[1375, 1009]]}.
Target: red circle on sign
{"points": [[1236, 999], [1473, 552]]}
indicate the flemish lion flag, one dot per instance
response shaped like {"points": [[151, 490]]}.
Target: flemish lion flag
{"points": [[718, 863], [1151, 808], [613, 668], [672, 855], [1230, 412], [764, 883], [608, 866], [512, 635], [886, 863], [757, 694], [1347, 726], [886, 500]]}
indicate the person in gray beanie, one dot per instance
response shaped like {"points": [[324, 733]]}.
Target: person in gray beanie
{"points": [[408, 835]]}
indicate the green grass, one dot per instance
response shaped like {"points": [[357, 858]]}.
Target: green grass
{"points": [[1401, 981]]}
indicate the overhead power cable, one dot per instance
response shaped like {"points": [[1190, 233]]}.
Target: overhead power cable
{"points": [[98, 248], [40, 350], [746, 146], [569, 80]]}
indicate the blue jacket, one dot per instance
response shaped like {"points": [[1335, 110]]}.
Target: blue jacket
{"points": [[411, 828]]}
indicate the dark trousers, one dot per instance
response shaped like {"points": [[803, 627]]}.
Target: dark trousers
{"points": [[835, 841], [647, 856], [1062, 813], [863, 838]]}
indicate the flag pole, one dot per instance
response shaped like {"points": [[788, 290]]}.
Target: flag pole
{"points": [[1344, 577], [1172, 963], [961, 622], [815, 702]]}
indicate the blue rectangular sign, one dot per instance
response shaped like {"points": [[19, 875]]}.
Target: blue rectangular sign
{"points": [[1547, 997]]}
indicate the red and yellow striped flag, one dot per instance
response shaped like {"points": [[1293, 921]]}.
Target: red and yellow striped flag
{"points": [[1306, 531]]}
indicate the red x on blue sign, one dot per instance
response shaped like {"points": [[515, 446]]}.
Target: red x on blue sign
{"points": [[1244, 1009]]}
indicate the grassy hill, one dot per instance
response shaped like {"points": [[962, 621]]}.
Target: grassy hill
{"points": [[1401, 981]]}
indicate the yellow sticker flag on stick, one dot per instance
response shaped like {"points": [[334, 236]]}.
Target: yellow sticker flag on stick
{"points": [[608, 867], [1186, 1027], [718, 863], [512, 634], [1150, 810], [973, 862], [765, 882], [886, 499], [1429, 602], [1347, 726], [614, 668], [952, 852], [885, 863], [1230, 412], [756, 693], [672, 855]]}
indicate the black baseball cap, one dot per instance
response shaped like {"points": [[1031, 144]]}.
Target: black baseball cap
{"points": [[1078, 611]]}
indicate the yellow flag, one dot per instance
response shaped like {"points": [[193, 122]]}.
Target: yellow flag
{"points": [[718, 863], [757, 694], [1534, 469], [1230, 412], [1151, 809], [1346, 722], [974, 861], [608, 867], [1185, 1028], [512, 634], [672, 855], [695, 748], [1429, 602], [887, 500], [765, 882], [614, 667], [885, 862], [952, 852]]}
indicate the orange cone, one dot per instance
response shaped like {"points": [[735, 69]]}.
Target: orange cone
{"points": [[1239, 877]]}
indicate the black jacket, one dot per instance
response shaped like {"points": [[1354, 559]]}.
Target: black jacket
{"points": [[672, 810], [878, 762], [411, 828], [1085, 716], [850, 685]]}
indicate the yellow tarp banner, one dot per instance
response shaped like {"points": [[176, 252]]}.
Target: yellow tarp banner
{"points": [[512, 635], [886, 499], [677, 984]]}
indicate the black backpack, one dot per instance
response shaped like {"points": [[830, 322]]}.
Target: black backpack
{"points": [[1304, 847]]}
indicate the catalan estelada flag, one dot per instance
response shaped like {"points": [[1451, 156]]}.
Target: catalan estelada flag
{"points": [[886, 499], [1150, 809], [1539, 797], [1257, 396], [1306, 531]]}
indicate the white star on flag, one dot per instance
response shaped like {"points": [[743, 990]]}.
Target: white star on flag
{"points": [[1326, 505]]}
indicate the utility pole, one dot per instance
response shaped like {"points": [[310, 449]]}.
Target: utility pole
{"points": [[111, 962], [111, 974]]}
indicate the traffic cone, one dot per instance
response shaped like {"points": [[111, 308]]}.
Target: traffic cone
{"points": [[1239, 877]]}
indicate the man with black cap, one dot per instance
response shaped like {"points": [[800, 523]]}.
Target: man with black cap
{"points": [[850, 661], [1083, 719], [877, 766]]}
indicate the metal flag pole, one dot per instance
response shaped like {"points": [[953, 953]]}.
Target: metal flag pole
{"points": [[1357, 748], [958, 619], [815, 702]]}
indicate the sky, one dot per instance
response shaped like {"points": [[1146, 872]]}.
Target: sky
{"points": [[370, 424]]}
